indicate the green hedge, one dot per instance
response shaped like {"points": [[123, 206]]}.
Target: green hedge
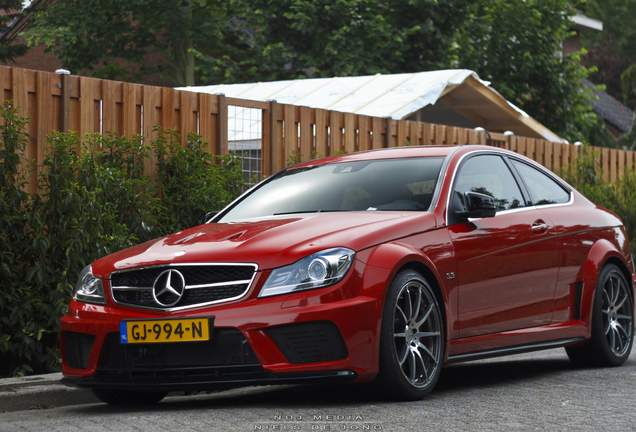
{"points": [[586, 176], [91, 203]]}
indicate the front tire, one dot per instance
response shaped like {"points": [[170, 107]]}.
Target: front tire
{"points": [[127, 397], [411, 340], [612, 323]]}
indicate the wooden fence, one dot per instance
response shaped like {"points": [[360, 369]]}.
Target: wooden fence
{"points": [[88, 105]]}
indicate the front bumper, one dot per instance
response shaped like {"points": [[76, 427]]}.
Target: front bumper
{"points": [[283, 339]]}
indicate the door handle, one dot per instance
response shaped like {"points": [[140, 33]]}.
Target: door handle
{"points": [[539, 227]]}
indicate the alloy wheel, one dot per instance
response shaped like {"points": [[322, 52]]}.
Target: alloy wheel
{"points": [[617, 313], [417, 334]]}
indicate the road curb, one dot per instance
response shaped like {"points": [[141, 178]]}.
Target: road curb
{"points": [[40, 392], [33, 380]]}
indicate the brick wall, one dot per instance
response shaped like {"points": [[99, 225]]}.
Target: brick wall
{"points": [[37, 59]]}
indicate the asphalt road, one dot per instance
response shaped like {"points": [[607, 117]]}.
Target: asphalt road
{"points": [[540, 391]]}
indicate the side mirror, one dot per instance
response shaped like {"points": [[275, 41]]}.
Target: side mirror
{"points": [[209, 216], [478, 206]]}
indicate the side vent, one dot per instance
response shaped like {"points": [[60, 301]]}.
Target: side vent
{"points": [[578, 293]]}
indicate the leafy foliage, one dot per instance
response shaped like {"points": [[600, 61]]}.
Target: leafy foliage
{"points": [[612, 51], [91, 203], [192, 179], [10, 47], [586, 175], [128, 39], [628, 82], [618, 24], [607, 66], [517, 46], [325, 38]]}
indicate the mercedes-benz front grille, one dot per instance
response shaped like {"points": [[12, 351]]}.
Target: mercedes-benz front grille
{"points": [[181, 286]]}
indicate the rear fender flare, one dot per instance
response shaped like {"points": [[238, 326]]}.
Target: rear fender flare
{"points": [[599, 254]]}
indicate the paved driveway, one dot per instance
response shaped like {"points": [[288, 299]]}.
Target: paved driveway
{"points": [[539, 391]]}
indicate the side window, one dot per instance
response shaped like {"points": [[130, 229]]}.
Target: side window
{"points": [[543, 189], [488, 175]]}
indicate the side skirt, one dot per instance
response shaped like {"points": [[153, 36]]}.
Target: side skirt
{"points": [[510, 350]]}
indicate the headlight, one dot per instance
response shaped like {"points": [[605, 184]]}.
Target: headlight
{"points": [[314, 271], [89, 289]]}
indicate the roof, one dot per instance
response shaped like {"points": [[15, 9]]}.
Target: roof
{"points": [[583, 23], [378, 95], [612, 111], [470, 101]]}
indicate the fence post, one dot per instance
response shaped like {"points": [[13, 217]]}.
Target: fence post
{"points": [[273, 137], [221, 130], [388, 129], [65, 101]]}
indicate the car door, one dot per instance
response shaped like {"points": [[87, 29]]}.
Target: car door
{"points": [[555, 201], [507, 265]]}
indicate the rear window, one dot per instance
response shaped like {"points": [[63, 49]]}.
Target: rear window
{"points": [[543, 189]]}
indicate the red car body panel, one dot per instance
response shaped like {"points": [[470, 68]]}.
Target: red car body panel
{"points": [[270, 243], [501, 281]]}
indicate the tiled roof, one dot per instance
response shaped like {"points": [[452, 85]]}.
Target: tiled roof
{"points": [[614, 112]]}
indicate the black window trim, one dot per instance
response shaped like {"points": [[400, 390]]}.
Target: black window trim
{"points": [[522, 187], [544, 171]]}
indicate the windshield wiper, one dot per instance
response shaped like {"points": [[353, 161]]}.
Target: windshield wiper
{"points": [[307, 211]]}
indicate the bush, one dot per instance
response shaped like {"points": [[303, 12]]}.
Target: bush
{"points": [[190, 180], [89, 204], [28, 310], [586, 175]]}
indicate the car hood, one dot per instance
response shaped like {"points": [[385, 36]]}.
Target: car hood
{"points": [[270, 242]]}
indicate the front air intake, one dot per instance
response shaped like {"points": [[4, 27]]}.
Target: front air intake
{"points": [[310, 342], [78, 348]]}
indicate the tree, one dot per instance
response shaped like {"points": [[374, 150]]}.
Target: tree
{"points": [[517, 46], [607, 65], [325, 38], [618, 24], [10, 48], [127, 39], [613, 50]]}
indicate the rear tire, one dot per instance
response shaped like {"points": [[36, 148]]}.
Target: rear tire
{"points": [[127, 397], [411, 340], [612, 323]]}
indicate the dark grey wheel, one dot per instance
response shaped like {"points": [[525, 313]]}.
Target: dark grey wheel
{"points": [[128, 397], [412, 339], [612, 323]]}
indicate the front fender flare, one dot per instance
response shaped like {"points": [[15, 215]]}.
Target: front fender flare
{"points": [[395, 256], [383, 262]]}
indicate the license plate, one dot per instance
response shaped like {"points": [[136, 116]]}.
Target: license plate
{"points": [[171, 330]]}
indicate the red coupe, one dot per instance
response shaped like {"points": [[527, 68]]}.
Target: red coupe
{"points": [[378, 266]]}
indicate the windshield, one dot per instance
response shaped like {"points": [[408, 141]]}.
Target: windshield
{"points": [[377, 185]]}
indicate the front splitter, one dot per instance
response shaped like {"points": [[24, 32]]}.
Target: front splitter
{"points": [[203, 379]]}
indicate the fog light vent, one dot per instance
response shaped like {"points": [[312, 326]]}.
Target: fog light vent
{"points": [[78, 348], [310, 342]]}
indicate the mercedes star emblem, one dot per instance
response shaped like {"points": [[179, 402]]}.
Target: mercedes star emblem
{"points": [[168, 288]]}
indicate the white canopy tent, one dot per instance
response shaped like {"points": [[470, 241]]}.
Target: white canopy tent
{"points": [[454, 97]]}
